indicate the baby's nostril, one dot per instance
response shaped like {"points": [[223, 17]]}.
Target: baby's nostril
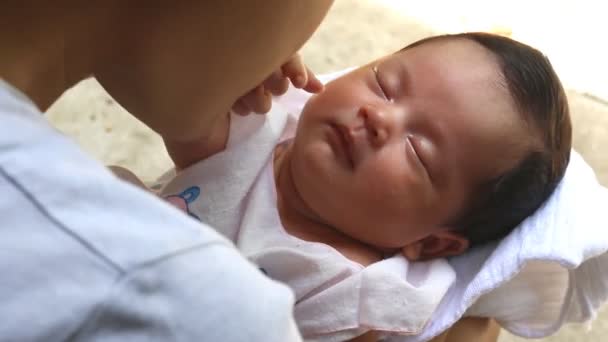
{"points": [[363, 114]]}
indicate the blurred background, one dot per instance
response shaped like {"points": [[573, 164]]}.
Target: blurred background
{"points": [[570, 32]]}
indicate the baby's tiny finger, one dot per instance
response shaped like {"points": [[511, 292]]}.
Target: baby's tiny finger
{"points": [[277, 84], [251, 99], [314, 85], [258, 100], [266, 103], [295, 70], [240, 108]]}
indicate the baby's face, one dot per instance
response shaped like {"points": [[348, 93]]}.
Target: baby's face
{"points": [[392, 151]]}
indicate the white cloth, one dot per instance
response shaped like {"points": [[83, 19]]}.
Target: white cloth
{"points": [[551, 270], [86, 257], [336, 299]]}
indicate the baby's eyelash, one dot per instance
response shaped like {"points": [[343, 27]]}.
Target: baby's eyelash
{"points": [[412, 141], [375, 70]]}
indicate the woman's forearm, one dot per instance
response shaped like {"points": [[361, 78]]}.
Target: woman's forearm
{"points": [[370, 336], [237, 44], [471, 329], [466, 330]]}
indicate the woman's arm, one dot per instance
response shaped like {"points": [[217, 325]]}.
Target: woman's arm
{"points": [[371, 336], [178, 67], [471, 329], [466, 330]]}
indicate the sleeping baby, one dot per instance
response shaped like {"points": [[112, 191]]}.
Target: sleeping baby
{"points": [[356, 201]]}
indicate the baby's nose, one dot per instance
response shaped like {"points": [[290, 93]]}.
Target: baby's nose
{"points": [[376, 123]]}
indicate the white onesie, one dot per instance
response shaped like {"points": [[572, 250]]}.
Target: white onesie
{"points": [[336, 298]]}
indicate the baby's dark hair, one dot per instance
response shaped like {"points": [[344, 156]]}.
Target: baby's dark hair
{"points": [[500, 204]]}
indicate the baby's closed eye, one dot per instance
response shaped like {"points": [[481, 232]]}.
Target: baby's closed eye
{"points": [[381, 87]]}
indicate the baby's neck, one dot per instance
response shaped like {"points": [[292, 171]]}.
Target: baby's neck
{"points": [[288, 196], [300, 220]]}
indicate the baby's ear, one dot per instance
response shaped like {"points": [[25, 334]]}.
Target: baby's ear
{"points": [[437, 245]]}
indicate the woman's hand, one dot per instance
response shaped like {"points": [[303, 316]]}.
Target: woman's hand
{"points": [[259, 99], [478, 329], [370, 336]]}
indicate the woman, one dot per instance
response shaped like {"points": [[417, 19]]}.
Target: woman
{"points": [[84, 256]]}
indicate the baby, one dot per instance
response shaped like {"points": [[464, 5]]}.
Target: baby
{"points": [[447, 144]]}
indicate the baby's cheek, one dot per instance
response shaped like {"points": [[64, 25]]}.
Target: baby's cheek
{"points": [[391, 181], [386, 169]]}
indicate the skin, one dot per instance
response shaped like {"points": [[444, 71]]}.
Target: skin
{"points": [[258, 100], [176, 66], [389, 154]]}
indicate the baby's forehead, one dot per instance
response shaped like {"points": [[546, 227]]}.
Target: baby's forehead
{"points": [[438, 44], [456, 73], [460, 84], [447, 53]]}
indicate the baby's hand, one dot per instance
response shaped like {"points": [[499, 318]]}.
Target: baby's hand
{"points": [[259, 99]]}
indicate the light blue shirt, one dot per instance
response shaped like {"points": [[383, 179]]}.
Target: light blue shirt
{"points": [[86, 257]]}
